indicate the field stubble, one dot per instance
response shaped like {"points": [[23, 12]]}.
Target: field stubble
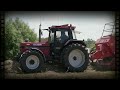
{"points": [[54, 71]]}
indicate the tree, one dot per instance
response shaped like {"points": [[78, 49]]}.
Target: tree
{"points": [[16, 31], [90, 43]]}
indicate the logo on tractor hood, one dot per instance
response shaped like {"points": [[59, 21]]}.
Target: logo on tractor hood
{"points": [[40, 44], [37, 44]]}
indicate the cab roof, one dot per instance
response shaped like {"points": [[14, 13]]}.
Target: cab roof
{"points": [[65, 26]]}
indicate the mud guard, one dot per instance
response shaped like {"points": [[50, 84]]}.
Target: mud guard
{"points": [[19, 55], [35, 49]]}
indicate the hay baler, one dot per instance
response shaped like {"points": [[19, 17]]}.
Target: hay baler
{"points": [[103, 57]]}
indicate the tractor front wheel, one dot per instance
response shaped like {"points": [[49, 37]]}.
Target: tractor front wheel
{"points": [[32, 62]]}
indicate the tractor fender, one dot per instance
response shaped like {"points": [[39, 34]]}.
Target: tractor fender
{"points": [[32, 49], [75, 41], [21, 54], [36, 49]]}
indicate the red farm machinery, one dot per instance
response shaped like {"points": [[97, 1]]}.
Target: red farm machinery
{"points": [[103, 57], [62, 46]]}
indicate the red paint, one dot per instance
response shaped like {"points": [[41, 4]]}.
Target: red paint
{"points": [[43, 46], [66, 26], [105, 47]]}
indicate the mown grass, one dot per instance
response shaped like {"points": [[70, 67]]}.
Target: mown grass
{"points": [[68, 75], [57, 72]]}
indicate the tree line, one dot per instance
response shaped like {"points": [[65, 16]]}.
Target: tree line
{"points": [[16, 31], [90, 43]]}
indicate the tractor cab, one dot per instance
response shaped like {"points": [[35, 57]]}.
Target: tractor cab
{"points": [[59, 35]]}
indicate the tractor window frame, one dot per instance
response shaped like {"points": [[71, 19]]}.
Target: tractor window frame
{"points": [[70, 33], [51, 36], [73, 34]]}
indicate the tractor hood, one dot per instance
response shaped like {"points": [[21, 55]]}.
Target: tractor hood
{"points": [[42, 46], [34, 44], [27, 45]]}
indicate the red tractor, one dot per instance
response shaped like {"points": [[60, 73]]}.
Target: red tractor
{"points": [[104, 55], [62, 46]]}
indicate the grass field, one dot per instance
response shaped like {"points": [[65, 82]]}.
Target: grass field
{"points": [[57, 72]]}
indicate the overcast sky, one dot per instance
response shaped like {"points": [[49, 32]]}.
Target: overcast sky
{"points": [[90, 23]]}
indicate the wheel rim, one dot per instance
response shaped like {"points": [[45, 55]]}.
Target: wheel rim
{"points": [[32, 62], [76, 58]]}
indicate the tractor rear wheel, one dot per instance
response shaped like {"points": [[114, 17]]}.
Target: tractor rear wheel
{"points": [[75, 57], [32, 62]]}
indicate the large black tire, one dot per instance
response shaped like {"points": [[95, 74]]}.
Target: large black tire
{"points": [[32, 62], [80, 62]]}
